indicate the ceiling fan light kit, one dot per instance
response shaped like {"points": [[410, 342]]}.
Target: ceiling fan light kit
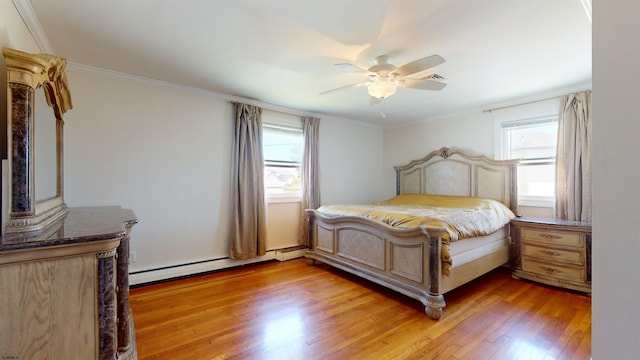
{"points": [[384, 78], [382, 88]]}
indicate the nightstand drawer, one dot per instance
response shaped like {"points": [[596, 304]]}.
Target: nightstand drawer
{"points": [[544, 253], [552, 237], [556, 271]]}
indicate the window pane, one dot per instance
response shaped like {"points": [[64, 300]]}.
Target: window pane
{"points": [[282, 180], [282, 145], [536, 141], [282, 149], [537, 180], [533, 141]]}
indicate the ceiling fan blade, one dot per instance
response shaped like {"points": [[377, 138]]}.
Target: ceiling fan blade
{"points": [[419, 65], [366, 83], [423, 84], [347, 67]]}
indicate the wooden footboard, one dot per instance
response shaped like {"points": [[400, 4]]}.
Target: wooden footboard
{"points": [[405, 260]]}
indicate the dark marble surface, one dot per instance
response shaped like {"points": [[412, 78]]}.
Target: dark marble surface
{"points": [[122, 295], [22, 97], [552, 221], [80, 224], [107, 306]]}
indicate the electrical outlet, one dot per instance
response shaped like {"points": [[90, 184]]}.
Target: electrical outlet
{"points": [[133, 256]]}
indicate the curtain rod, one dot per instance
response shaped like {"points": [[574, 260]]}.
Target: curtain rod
{"points": [[271, 107], [526, 103]]}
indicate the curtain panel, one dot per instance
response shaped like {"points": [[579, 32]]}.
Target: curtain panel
{"points": [[573, 158], [248, 228], [310, 177]]}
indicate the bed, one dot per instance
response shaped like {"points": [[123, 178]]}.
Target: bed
{"points": [[409, 259]]}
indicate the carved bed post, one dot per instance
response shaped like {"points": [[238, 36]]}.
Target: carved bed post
{"points": [[310, 224], [435, 300]]}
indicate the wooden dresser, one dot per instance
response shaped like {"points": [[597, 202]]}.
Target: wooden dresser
{"points": [[64, 272], [65, 289], [554, 252]]}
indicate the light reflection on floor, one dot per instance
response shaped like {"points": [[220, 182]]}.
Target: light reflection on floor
{"points": [[284, 336], [525, 350]]}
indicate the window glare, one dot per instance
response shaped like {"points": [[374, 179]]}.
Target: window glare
{"points": [[282, 150], [282, 180], [532, 141], [537, 180], [280, 145]]}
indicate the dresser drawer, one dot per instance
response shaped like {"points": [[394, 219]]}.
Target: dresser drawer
{"points": [[561, 238], [558, 255], [556, 271]]}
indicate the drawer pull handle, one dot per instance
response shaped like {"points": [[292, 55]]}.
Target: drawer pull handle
{"points": [[550, 252], [551, 270], [550, 236]]}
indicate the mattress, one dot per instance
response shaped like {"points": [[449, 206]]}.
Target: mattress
{"points": [[470, 249]]}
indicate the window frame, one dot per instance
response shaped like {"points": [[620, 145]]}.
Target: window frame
{"points": [[284, 122], [502, 149]]}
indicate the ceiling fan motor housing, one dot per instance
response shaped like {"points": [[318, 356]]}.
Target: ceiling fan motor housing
{"points": [[382, 66]]}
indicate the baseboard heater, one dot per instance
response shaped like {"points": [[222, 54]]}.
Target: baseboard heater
{"points": [[181, 270]]}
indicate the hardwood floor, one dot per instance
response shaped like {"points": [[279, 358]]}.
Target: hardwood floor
{"points": [[291, 310]]}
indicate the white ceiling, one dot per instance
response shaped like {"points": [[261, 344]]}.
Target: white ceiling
{"points": [[282, 52]]}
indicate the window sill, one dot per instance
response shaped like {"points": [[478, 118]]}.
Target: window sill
{"points": [[537, 201], [282, 199]]}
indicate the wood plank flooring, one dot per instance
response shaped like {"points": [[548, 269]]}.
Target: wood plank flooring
{"points": [[291, 310]]}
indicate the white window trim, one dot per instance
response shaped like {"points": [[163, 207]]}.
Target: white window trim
{"points": [[287, 121], [537, 112], [284, 198], [537, 201]]}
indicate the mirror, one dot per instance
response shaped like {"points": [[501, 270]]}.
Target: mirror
{"points": [[38, 96], [45, 149]]}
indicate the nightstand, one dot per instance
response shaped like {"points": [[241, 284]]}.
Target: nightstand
{"points": [[553, 252]]}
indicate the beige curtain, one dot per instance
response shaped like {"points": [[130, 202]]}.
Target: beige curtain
{"points": [[310, 177], [248, 231], [573, 158]]}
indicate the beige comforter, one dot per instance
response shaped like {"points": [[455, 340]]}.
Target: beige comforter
{"points": [[461, 217]]}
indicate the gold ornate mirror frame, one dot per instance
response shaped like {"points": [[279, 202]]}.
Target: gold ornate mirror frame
{"points": [[26, 73]]}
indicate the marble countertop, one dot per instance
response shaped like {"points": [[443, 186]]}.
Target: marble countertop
{"points": [[80, 224], [552, 221]]}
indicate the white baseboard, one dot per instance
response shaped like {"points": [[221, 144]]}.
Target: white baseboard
{"points": [[148, 276], [288, 255]]}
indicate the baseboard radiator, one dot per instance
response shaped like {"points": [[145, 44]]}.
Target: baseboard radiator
{"points": [[182, 270]]}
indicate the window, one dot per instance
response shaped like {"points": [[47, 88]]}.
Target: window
{"points": [[533, 141], [282, 148]]}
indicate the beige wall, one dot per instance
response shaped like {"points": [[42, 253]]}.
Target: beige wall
{"points": [[164, 151], [282, 229]]}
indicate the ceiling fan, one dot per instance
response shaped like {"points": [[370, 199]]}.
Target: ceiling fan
{"points": [[384, 78]]}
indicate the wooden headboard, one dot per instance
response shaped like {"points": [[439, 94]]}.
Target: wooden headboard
{"points": [[450, 171]]}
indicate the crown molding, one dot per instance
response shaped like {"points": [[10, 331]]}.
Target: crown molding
{"points": [[28, 15], [116, 75]]}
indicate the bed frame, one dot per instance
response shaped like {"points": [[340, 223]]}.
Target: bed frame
{"points": [[409, 260]]}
